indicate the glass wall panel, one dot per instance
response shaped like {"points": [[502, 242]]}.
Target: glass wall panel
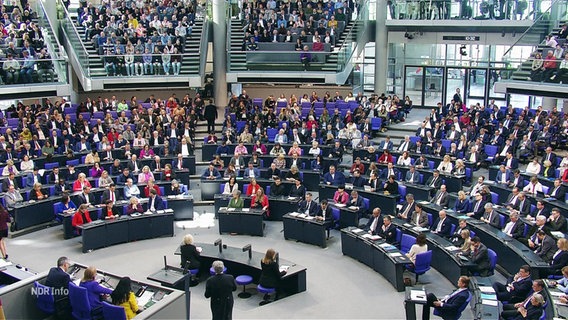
{"points": [[413, 83], [433, 86], [455, 80]]}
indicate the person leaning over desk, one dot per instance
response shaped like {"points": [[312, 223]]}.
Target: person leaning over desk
{"points": [[271, 274], [123, 296], [236, 201], [94, 290]]}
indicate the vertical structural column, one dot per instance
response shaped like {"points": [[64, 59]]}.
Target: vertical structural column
{"points": [[549, 103], [220, 52], [381, 48]]}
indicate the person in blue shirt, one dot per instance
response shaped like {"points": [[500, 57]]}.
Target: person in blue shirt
{"points": [[94, 290], [462, 205], [223, 148], [333, 177]]}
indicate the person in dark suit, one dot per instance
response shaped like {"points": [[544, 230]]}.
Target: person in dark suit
{"points": [[375, 222], [6, 183], [480, 257], [387, 231], [324, 214], [210, 115], [419, 217], [357, 180], [308, 206], [134, 165], [297, 190], [355, 200], [109, 211], [556, 221], [407, 208], [515, 228], [456, 237], [272, 172], [110, 194], [442, 225], [547, 247], [517, 288], [490, 216], [86, 197], [435, 180], [462, 205], [557, 192], [220, 289], [514, 311], [155, 202], [442, 198], [271, 274], [58, 279], [559, 260], [190, 254], [450, 305], [333, 177]]}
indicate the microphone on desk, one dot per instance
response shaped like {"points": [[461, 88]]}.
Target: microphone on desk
{"points": [[248, 248], [219, 242]]}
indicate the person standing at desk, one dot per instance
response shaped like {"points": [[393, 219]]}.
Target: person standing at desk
{"points": [[236, 201], [123, 296], [450, 304], [271, 274], [324, 214], [190, 254], [307, 206], [94, 290], [81, 217], [220, 289], [58, 279]]}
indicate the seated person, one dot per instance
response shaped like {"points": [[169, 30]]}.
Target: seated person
{"points": [[357, 201], [277, 188], [391, 186], [231, 186], [190, 254], [462, 205], [130, 189], [145, 175], [236, 201], [105, 180], [419, 217], [307, 206], [253, 187], [95, 292], [151, 186], [340, 195], [419, 247], [155, 202], [333, 177], [517, 287], [251, 171], [297, 190], [36, 193], [324, 214], [375, 222], [177, 188], [110, 211], [562, 284], [134, 206], [293, 174], [442, 225], [357, 180], [81, 182], [81, 217], [448, 308], [65, 206], [479, 257], [123, 296], [387, 231], [271, 274]]}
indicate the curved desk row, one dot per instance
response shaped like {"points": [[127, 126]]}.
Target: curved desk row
{"points": [[279, 206], [100, 234], [210, 149], [377, 254], [387, 202], [444, 259], [511, 254], [304, 229], [209, 188], [238, 263]]}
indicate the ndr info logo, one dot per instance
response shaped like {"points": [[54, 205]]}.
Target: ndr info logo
{"points": [[40, 291]]}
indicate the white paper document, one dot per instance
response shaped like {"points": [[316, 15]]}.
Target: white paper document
{"points": [[493, 303], [417, 295], [486, 289]]}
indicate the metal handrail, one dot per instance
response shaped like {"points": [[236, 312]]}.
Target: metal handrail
{"points": [[46, 17], [68, 17], [350, 35], [540, 18]]}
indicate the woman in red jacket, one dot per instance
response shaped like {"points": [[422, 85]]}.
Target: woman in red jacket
{"points": [[260, 201], [81, 217], [253, 187]]}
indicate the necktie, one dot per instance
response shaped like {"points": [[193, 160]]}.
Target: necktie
{"points": [[179, 164], [477, 206], [439, 227], [374, 224], [405, 213]]}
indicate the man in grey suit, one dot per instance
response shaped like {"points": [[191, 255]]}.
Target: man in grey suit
{"points": [[547, 247], [490, 216], [412, 176], [419, 217]]}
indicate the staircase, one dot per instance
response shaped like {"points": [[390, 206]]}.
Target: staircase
{"points": [[190, 62], [524, 71], [237, 58]]}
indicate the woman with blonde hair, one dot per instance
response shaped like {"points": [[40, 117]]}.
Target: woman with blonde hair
{"points": [[466, 247], [145, 175], [190, 254], [134, 206], [95, 292]]}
